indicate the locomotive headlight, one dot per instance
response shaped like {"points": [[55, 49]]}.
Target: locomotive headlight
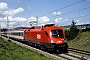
{"points": [[52, 41]]}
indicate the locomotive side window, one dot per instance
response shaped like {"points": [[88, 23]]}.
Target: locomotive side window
{"points": [[57, 33], [46, 33]]}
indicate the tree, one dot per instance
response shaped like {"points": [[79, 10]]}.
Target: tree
{"points": [[73, 32]]}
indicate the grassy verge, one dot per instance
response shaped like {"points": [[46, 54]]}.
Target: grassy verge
{"points": [[12, 51], [82, 41], [66, 29]]}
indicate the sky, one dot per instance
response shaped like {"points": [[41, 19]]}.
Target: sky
{"points": [[60, 12]]}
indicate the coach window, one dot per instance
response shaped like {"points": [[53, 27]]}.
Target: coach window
{"points": [[15, 33], [21, 34]]}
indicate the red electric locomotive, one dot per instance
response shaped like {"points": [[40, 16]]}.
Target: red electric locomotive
{"points": [[50, 37]]}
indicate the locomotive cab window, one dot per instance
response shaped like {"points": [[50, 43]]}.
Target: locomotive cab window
{"points": [[57, 33]]}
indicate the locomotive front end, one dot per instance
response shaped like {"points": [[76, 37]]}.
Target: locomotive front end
{"points": [[58, 40]]}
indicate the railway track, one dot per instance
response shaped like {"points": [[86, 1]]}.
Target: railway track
{"points": [[80, 53], [68, 56], [63, 56]]}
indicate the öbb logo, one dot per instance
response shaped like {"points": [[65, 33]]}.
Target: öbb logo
{"points": [[38, 36]]}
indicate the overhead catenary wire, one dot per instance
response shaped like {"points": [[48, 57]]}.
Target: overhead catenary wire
{"points": [[20, 3], [64, 7], [71, 12], [80, 1], [75, 11], [79, 16]]}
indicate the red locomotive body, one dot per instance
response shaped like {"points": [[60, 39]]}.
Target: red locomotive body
{"points": [[51, 38]]}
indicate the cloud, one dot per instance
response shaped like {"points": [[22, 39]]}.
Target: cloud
{"points": [[17, 11], [43, 19], [12, 12], [1, 19], [3, 6], [65, 20], [77, 20], [29, 8], [19, 19], [6, 11], [13, 21], [32, 19], [58, 20], [56, 13], [3, 24]]}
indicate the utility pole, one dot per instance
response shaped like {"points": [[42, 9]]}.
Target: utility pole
{"points": [[7, 23], [37, 21], [7, 27], [0, 29]]}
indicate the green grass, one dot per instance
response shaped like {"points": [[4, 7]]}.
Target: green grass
{"points": [[82, 41], [66, 29], [12, 51]]}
